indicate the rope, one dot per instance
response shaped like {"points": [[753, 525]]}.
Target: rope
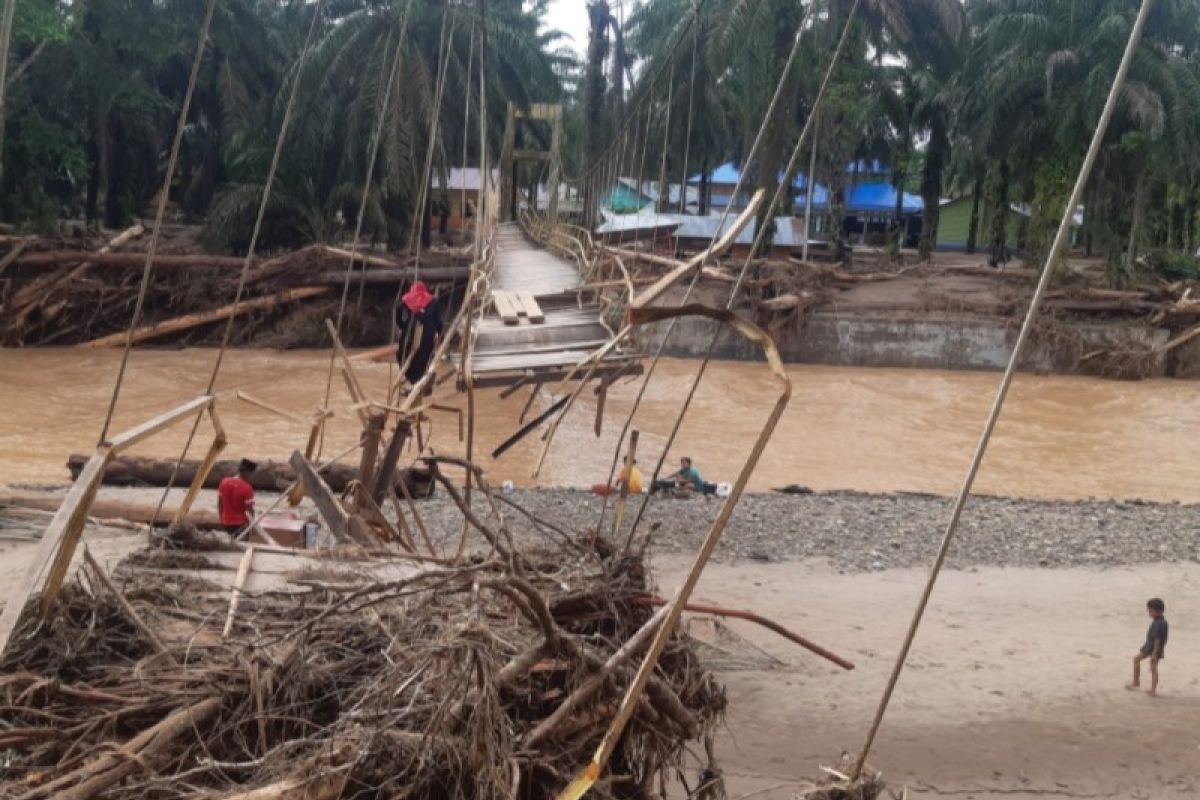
{"points": [[148, 267], [1060, 240], [268, 185], [758, 240]]}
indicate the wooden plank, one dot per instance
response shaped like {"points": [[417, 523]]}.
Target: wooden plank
{"points": [[152, 426], [721, 245], [189, 321], [327, 503], [531, 308], [314, 437], [56, 547], [505, 307]]}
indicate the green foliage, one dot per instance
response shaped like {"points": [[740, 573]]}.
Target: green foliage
{"points": [[1174, 265], [94, 107]]}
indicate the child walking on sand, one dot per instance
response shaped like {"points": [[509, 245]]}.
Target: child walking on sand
{"points": [[1154, 648]]}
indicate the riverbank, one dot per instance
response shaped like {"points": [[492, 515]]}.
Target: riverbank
{"points": [[855, 532], [1014, 687]]}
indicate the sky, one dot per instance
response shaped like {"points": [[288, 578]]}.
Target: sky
{"points": [[570, 17]]}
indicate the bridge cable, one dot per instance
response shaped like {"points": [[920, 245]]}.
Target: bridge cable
{"points": [[372, 158], [269, 184], [760, 237], [160, 211], [1048, 269]]}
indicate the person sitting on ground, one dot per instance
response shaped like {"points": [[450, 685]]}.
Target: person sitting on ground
{"points": [[235, 499], [1154, 647], [686, 477], [419, 318]]}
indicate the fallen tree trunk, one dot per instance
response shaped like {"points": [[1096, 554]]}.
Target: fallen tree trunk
{"points": [[194, 320], [105, 509], [271, 476], [392, 275]]}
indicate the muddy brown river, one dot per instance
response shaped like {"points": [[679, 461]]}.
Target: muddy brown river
{"points": [[845, 428]]}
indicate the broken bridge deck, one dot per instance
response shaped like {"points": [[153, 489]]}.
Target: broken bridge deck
{"points": [[510, 348]]}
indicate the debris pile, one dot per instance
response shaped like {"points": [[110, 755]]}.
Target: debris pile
{"points": [[491, 678], [70, 292]]}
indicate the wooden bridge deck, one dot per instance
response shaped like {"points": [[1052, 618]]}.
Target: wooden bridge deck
{"points": [[535, 352]]}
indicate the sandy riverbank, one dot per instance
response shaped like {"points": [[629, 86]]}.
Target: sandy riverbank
{"points": [[1014, 687]]}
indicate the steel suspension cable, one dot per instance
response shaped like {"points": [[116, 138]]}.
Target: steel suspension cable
{"points": [[265, 199], [687, 137], [1052, 257], [435, 118], [768, 116], [372, 158], [168, 179], [760, 237]]}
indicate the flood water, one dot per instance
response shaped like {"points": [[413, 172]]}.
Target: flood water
{"points": [[845, 428]]}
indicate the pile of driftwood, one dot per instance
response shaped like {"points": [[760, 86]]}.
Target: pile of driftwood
{"points": [[66, 292], [490, 678]]}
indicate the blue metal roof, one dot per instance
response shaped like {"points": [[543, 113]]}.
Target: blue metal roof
{"points": [[865, 197]]}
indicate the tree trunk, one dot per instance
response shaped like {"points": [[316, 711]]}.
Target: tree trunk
{"points": [[271, 476], [703, 188], [594, 90], [1135, 229], [999, 203], [931, 187], [973, 222]]}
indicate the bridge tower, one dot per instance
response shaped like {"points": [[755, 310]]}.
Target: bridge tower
{"points": [[510, 156]]}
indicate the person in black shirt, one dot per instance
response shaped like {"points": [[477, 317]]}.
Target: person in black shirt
{"points": [[1154, 647], [419, 319]]}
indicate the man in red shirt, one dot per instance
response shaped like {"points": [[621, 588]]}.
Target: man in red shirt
{"points": [[235, 498]]}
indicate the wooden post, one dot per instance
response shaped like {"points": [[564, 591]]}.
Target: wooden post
{"points": [[314, 437], [327, 503], [382, 483], [625, 473], [372, 433], [210, 458], [236, 593]]}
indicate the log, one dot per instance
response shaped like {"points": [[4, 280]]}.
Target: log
{"points": [[105, 509], [58, 258], [393, 275], [189, 321], [271, 476]]}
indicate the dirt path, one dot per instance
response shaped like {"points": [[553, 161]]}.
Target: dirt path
{"points": [[1014, 687]]}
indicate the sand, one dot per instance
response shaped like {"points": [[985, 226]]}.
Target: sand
{"points": [[1014, 689], [1015, 686]]}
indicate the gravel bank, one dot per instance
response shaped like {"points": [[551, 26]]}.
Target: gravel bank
{"points": [[859, 532]]}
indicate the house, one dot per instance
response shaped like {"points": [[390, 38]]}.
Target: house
{"points": [[459, 187], [955, 221]]}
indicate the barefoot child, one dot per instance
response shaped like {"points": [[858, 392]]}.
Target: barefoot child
{"points": [[1153, 649]]}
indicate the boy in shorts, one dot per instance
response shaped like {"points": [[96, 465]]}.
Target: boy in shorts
{"points": [[1154, 648]]}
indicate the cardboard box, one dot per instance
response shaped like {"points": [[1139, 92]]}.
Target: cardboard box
{"points": [[287, 531]]}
